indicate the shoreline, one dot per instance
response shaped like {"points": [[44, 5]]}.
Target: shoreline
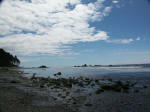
{"points": [[20, 94]]}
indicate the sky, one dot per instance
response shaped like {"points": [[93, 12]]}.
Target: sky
{"points": [[75, 32]]}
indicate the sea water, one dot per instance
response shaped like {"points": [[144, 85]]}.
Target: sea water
{"points": [[88, 71]]}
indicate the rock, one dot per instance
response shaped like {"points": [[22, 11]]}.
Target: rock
{"points": [[59, 95], [14, 81], [92, 84], [139, 103], [97, 81], [55, 98], [63, 97], [80, 84], [67, 93], [90, 94], [145, 86], [136, 90], [99, 91], [125, 91], [117, 86], [74, 103], [41, 86], [106, 86], [43, 66], [109, 79], [88, 104], [33, 76], [59, 73]]}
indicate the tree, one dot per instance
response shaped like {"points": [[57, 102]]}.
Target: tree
{"points": [[1, 1], [7, 59]]}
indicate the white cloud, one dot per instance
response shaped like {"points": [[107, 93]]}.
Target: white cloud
{"points": [[138, 38], [32, 27], [115, 1], [107, 11], [121, 41]]}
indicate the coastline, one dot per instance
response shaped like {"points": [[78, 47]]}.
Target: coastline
{"points": [[20, 94]]}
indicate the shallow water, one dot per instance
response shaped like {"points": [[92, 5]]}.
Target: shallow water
{"points": [[49, 96], [93, 72]]}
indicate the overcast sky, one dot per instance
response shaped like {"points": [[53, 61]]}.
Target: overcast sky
{"points": [[74, 32]]}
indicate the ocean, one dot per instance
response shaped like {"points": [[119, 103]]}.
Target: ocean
{"points": [[92, 72]]}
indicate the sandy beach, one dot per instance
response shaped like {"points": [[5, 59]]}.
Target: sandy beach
{"points": [[21, 94]]}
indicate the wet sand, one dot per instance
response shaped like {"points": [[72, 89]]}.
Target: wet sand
{"points": [[20, 94]]}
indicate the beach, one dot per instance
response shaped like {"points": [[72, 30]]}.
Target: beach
{"points": [[110, 93], [75, 56]]}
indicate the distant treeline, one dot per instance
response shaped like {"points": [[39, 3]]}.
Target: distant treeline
{"points": [[123, 65], [7, 59]]}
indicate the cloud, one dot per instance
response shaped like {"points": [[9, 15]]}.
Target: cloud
{"points": [[138, 38], [30, 27], [115, 1], [121, 41]]}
